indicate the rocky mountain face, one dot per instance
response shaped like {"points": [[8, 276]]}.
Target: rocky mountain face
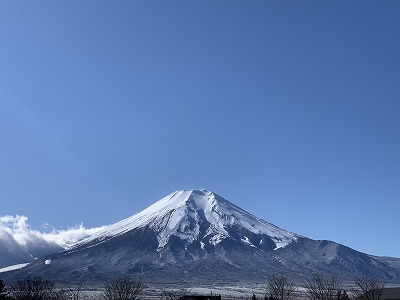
{"points": [[199, 237]]}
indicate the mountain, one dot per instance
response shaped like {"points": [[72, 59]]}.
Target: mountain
{"points": [[197, 236], [197, 216]]}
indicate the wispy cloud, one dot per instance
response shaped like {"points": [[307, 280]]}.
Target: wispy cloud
{"points": [[20, 243]]}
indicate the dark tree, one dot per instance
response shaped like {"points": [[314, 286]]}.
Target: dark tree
{"points": [[342, 295], [124, 288], [322, 288], [76, 294], [368, 288], [36, 289], [254, 297], [280, 288], [175, 294], [3, 290]]}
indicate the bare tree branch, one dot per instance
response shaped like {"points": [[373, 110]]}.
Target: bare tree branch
{"points": [[322, 288], [36, 289], [76, 294], [280, 288], [175, 294], [124, 288], [368, 288]]}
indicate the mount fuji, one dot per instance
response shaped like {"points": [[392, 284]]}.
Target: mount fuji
{"points": [[197, 236], [199, 218]]}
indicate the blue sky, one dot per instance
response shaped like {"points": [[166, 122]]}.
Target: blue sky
{"points": [[289, 109]]}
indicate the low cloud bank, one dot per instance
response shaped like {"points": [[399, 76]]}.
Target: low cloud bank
{"points": [[19, 243]]}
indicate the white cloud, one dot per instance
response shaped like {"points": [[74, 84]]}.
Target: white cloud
{"points": [[20, 243]]}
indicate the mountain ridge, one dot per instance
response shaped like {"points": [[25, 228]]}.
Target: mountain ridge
{"points": [[198, 236], [175, 206]]}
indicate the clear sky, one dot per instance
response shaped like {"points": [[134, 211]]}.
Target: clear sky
{"points": [[289, 109]]}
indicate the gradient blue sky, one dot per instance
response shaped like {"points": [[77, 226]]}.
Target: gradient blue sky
{"points": [[289, 109]]}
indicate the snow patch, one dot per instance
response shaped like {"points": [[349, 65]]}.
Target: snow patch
{"points": [[13, 267], [247, 241]]}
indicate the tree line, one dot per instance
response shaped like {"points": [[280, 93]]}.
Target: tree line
{"points": [[321, 287], [318, 287]]}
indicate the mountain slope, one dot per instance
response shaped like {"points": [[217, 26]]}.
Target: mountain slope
{"points": [[197, 236], [185, 214]]}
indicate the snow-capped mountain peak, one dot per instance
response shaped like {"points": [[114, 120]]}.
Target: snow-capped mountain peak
{"points": [[197, 236], [195, 215]]}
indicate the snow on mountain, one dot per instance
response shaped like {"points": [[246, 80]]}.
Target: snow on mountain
{"points": [[197, 236], [13, 267], [181, 214]]}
